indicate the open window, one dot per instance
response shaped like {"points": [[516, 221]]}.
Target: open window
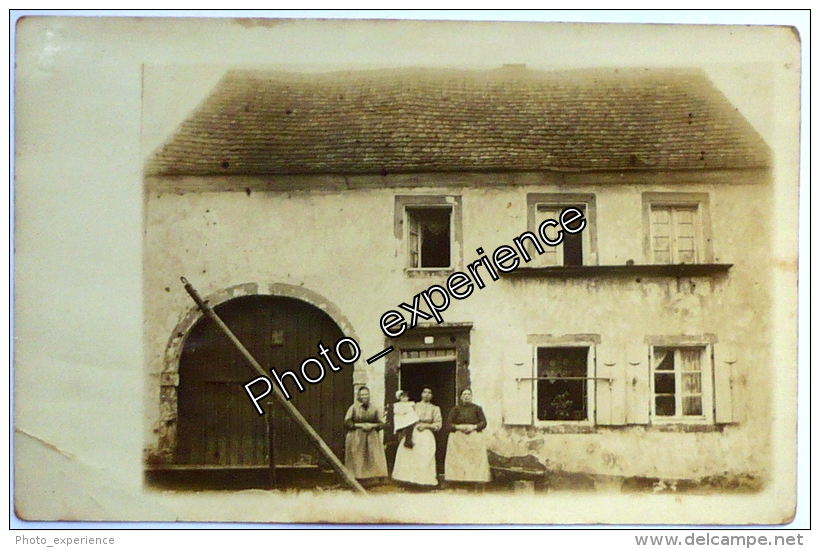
{"points": [[564, 385], [429, 237], [429, 231], [579, 248], [560, 385]]}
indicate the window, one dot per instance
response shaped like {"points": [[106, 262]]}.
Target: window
{"points": [[571, 249], [678, 228], [576, 248], [557, 388], [429, 237], [563, 388], [674, 234], [679, 382], [429, 231]]}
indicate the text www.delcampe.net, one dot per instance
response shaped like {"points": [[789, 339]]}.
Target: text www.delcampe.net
{"points": [[719, 539]]}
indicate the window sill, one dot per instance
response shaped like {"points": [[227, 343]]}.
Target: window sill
{"points": [[684, 427], [684, 420], [581, 428], [589, 271], [562, 427], [429, 273]]}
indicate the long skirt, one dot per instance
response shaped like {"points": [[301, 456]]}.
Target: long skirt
{"points": [[466, 459], [364, 454], [417, 465]]}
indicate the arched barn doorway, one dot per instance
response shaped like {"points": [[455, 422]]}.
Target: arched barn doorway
{"points": [[218, 426]]}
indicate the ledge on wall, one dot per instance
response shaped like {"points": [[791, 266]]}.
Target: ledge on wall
{"points": [[588, 271]]}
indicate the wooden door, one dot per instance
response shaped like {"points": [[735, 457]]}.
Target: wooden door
{"points": [[219, 425]]}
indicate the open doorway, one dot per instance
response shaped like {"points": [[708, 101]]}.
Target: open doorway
{"points": [[437, 356], [441, 378]]}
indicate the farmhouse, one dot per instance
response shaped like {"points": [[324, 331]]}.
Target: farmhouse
{"points": [[635, 354]]}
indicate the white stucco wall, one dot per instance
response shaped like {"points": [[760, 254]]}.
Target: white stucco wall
{"points": [[340, 244]]}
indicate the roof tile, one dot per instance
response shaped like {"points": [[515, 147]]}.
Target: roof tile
{"points": [[256, 123]]}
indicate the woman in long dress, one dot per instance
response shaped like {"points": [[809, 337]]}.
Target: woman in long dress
{"points": [[417, 465], [466, 459], [364, 451]]}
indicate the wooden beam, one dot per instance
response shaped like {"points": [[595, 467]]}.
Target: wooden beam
{"points": [[591, 271]]}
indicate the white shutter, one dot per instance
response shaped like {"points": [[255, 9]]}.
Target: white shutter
{"points": [[684, 248], [518, 394], [609, 405], [725, 360], [661, 232], [638, 395], [553, 255], [414, 240]]}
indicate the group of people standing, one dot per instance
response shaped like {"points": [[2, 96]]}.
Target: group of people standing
{"points": [[415, 422]]}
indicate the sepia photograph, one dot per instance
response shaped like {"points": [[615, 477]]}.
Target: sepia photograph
{"points": [[426, 273]]}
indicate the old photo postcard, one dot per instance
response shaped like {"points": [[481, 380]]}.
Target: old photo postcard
{"points": [[351, 271]]}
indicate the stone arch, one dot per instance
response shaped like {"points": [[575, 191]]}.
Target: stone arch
{"points": [[169, 377]]}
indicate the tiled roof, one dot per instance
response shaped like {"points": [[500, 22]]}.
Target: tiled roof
{"points": [[510, 119]]}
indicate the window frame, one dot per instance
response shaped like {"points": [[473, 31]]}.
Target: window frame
{"points": [[588, 341], [408, 214], [560, 201], [589, 389], [401, 226], [704, 253], [707, 385]]}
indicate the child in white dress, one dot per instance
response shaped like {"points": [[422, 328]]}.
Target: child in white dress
{"points": [[404, 417]]}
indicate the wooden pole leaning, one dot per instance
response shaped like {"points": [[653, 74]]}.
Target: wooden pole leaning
{"points": [[289, 408]]}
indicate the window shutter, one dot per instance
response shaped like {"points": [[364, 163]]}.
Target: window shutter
{"points": [[414, 240], [638, 389], [518, 395], [553, 255], [609, 405], [661, 235], [725, 360], [684, 229]]}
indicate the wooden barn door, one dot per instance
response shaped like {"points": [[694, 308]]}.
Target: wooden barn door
{"points": [[218, 424]]}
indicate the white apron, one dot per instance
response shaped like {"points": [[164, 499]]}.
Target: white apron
{"points": [[417, 465], [466, 459]]}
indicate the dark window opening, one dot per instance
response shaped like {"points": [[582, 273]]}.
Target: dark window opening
{"points": [[429, 237], [562, 399], [573, 242], [665, 386]]}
